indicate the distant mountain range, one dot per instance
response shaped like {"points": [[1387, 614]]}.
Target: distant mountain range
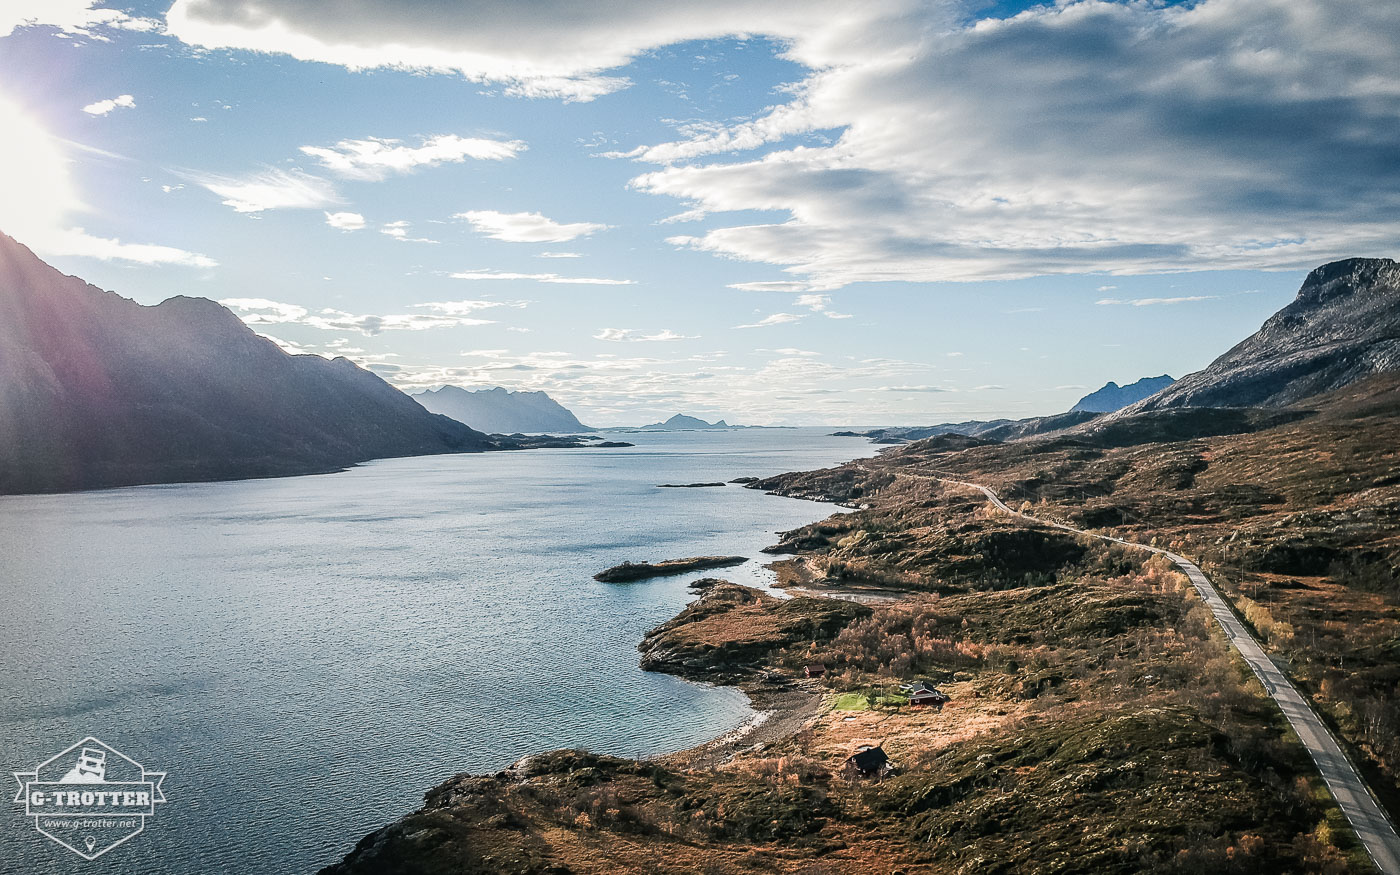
{"points": [[500, 411], [1110, 397], [1343, 326], [97, 390], [1115, 397], [681, 422]]}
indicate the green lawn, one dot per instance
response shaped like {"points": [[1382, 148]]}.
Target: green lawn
{"points": [[862, 700]]}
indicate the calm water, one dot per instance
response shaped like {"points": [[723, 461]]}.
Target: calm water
{"points": [[306, 656]]}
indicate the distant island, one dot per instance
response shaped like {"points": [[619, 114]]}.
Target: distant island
{"points": [[681, 422], [502, 411]]}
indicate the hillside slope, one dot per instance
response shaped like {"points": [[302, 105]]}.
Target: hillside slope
{"points": [[97, 390], [1344, 326]]}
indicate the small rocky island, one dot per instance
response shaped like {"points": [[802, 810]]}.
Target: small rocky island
{"points": [[628, 571]]}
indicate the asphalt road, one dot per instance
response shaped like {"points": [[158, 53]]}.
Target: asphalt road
{"points": [[1367, 818]]}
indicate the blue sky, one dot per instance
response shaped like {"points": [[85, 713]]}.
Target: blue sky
{"points": [[777, 213]]}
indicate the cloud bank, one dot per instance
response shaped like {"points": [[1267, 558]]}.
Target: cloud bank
{"points": [[1083, 136], [443, 314], [556, 48]]}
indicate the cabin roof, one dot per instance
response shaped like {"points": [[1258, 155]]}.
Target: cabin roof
{"points": [[869, 759]]}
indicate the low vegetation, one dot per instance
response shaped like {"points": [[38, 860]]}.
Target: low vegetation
{"points": [[1096, 720]]}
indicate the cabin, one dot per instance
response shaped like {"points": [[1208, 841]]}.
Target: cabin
{"points": [[814, 671], [869, 762], [924, 694], [927, 697]]}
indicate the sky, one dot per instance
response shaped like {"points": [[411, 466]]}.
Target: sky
{"points": [[785, 213]]}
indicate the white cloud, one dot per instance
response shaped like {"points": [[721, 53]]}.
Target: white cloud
{"points": [[635, 334], [69, 16], [526, 227], [775, 319], [694, 215], [773, 286], [556, 49], [1072, 137], [445, 314], [374, 158], [269, 189], [820, 304], [399, 231], [539, 277], [558, 255], [924, 145], [1150, 302], [261, 311], [102, 107], [345, 221], [38, 200]]}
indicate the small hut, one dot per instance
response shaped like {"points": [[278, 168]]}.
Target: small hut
{"points": [[814, 671], [869, 762]]}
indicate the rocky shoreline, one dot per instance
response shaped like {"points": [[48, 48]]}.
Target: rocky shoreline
{"points": [[737, 653]]}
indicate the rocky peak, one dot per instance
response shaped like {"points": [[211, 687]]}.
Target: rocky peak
{"points": [[1344, 326], [1349, 276]]}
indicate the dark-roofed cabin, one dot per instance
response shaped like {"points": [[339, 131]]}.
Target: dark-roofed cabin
{"points": [[927, 697], [814, 671], [868, 762]]}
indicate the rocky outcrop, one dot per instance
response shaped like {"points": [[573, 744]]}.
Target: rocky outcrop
{"points": [[1344, 326], [731, 631]]}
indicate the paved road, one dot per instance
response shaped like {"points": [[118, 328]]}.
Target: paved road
{"points": [[1367, 818]]}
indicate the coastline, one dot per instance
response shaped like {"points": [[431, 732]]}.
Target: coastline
{"points": [[846, 771], [781, 709]]}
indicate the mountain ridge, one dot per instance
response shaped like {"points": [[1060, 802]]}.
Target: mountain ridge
{"points": [[1343, 326], [502, 411], [1115, 397], [97, 390]]}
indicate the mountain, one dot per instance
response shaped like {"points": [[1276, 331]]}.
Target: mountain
{"points": [[681, 421], [1343, 326], [1115, 397], [499, 411], [97, 390]]}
